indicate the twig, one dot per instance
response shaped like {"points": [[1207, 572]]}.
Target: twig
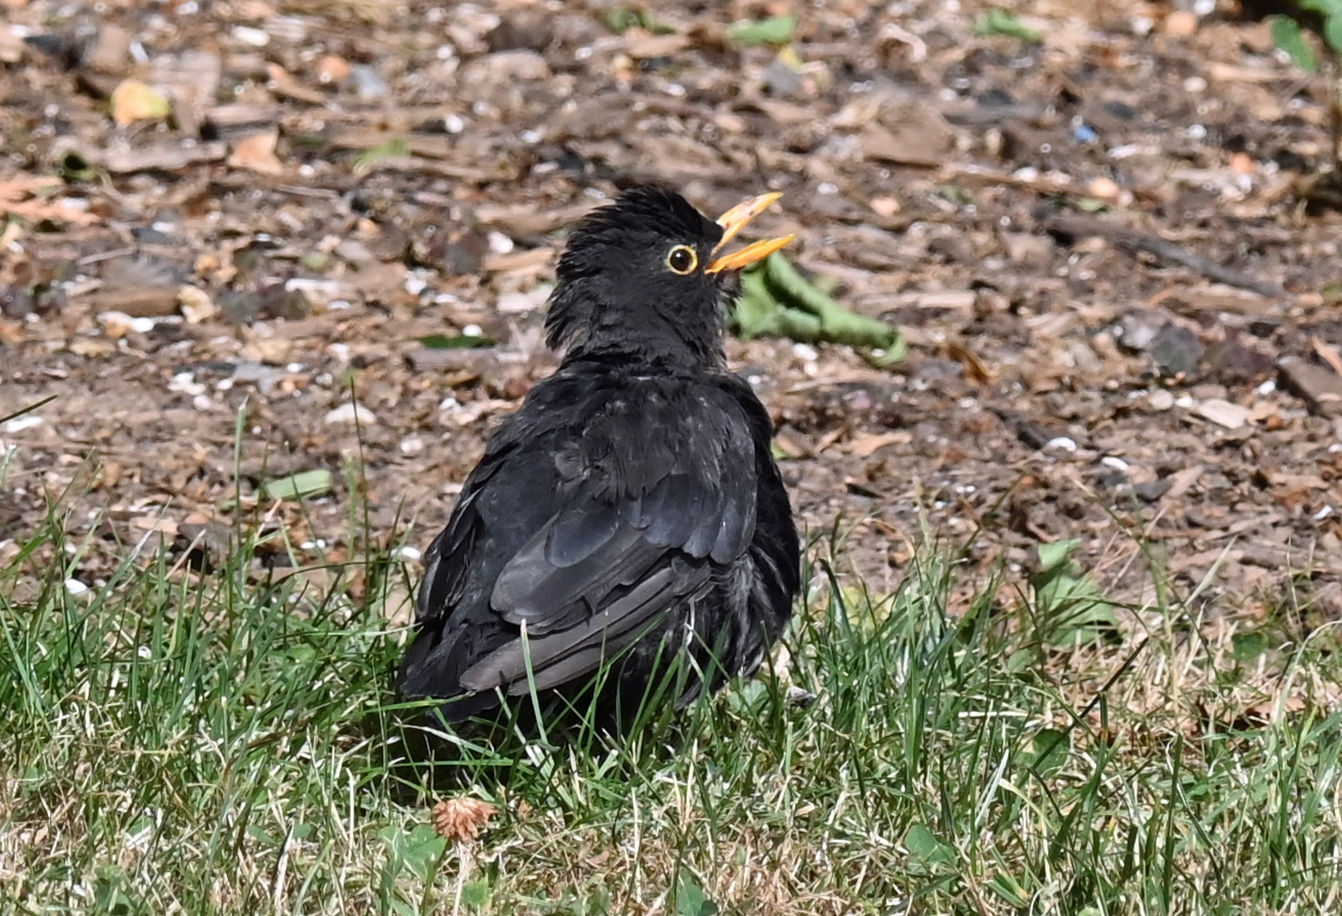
{"points": [[1134, 241]]}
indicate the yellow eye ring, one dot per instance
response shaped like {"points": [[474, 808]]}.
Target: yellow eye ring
{"points": [[682, 260]]}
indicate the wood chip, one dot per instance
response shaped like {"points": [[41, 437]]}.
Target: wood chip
{"points": [[168, 157], [1321, 388], [1223, 413], [137, 302]]}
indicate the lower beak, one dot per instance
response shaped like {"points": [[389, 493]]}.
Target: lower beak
{"points": [[732, 222]]}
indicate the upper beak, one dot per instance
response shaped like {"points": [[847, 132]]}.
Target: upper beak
{"points": [[732, 222]]}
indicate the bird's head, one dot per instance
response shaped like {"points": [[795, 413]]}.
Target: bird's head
{"points": [[645, 278]]}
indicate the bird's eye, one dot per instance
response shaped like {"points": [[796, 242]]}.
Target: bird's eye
{"points": [[682, 260]]}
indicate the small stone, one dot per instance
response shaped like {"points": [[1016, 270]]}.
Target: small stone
{"points": [[412, 445], [75, 587], [368, 83], [350, 413], [500, 243], [19, 424], [1061, 444], [1151, 490], [1160, 399], [1111, 461], [1181, 23], [1176, 350], [249, 35], [1223, 413], [1105, 189]]}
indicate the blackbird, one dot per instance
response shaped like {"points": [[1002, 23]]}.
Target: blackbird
{"points": [[628, 521]]}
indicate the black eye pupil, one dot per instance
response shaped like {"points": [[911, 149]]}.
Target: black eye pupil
{"points": [[681, 260]]}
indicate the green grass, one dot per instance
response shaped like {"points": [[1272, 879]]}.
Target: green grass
{"points": [[188, 742]]}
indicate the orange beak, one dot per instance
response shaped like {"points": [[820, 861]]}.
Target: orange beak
{"points": [[732, 222]]}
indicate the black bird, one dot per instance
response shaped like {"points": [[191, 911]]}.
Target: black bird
{"points": [[629, 520]]}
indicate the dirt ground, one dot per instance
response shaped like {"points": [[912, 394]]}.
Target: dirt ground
{"points": [[1121, 317]]}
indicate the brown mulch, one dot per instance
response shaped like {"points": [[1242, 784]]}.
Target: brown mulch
{"points": [[1121, 315]]}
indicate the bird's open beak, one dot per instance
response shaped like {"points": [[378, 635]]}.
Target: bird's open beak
{"points": [[732, 222]]}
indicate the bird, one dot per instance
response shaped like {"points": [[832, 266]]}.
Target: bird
{"points": [[626, 540]]}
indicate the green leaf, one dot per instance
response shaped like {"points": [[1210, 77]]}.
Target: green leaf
{"points": [[776, 30], [999, 22], [300, 486], [393, 148], [460, 342], [1332, 32], [417, 850], [691, 900], [1248, 646], [778, 301], [1069, 607], [475, 894], [1052, 556], [1290, 37], [1050, 747], [924, 846]]}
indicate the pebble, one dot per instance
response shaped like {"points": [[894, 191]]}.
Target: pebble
{"points": [[1181, 23], [410, 553], [412, 445], [368, 83], [349, 413], [19, 424], [257, 38], [1223, 413], [1061, 443], [75, 587], [1105, 189], [1160, 399], [1112, 461]]}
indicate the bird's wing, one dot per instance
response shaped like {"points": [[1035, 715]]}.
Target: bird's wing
{"points": [[652, 501]]}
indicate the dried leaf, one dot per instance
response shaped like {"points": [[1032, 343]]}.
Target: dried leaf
{"points": [[133, 100], [257, 153]]}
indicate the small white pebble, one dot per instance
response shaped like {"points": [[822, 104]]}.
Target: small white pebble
{"points": [[1111, 461], [500, 243], [1062, 443], [805, 352], [75, 587], [411, 554], [257, 38], [1266, 388], [201, 402], [412, 445], [294, 368], [454, 124], [1185, 402], [1195, 84], [472, 330], [1325, 512], [19, 424], [1160, 399], [349, 413], [449, 403]]}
